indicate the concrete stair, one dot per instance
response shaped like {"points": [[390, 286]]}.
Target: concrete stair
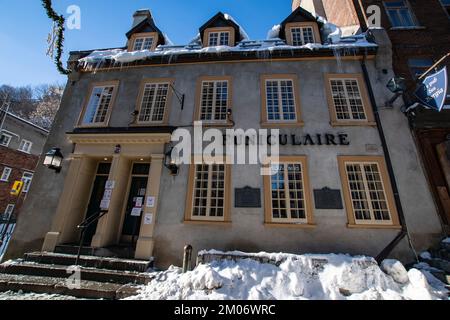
{"points": [[100, 277]]}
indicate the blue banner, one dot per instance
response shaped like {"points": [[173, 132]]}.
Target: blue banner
{"points": [[433, 90]]}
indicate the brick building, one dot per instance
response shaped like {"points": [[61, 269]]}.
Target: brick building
{"points": [[420, 37], [21, 143]]}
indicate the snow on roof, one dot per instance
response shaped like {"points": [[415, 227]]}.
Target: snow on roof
{"points": [[244, 34], [123, 56]]}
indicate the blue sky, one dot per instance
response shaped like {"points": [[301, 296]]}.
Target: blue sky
{"points": [[104, 23]]}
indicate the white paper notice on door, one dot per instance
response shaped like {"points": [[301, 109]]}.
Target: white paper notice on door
{"points": [[151, 202], [107, 195], [110, 184], [148, 219], [139, 202], [104, 204], [136, 212]]}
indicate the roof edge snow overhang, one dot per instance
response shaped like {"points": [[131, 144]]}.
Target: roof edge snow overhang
{"points": [[247, 56]]}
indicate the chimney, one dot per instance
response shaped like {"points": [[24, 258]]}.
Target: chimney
{"points": [[140, 15], [295, 4]]}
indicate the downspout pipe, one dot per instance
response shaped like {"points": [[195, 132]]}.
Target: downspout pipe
{"points": [[404, 231]]}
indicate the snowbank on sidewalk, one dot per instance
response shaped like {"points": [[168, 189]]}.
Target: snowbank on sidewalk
{"points": [[318, 277]]}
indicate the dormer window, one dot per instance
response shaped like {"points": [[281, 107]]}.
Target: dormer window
{"points": [[300, 34], [143, 43], [219, 37]]}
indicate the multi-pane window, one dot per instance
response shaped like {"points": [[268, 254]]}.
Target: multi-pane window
{"points": [[280, 100], [214, 100], [419, 66], [302, 36], [367, 193], [219, 39], [288, 201], [144, 43], [154, 101], [26, 179], [98, 106], [446, 5], [5, 139], [25, 146], [347, 99], [400, 13], [5, 174], [209, 192], [8, 211]]}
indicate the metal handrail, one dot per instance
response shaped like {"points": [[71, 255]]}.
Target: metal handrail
{"points": [[86, 224]]}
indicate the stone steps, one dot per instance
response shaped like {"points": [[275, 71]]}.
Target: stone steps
{"points": [[90, 274], [88, 261], [99, 277], [47, 285]]}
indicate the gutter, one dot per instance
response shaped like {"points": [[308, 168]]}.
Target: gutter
{"points": [[404, 231]]}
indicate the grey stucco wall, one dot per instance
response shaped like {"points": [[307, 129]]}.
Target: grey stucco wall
{"points": [[247, 231], [21, 130]]}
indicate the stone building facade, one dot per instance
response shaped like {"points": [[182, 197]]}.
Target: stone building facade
{"points": [[419, 32], [348, 178]]}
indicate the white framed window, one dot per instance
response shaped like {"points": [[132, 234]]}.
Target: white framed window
{"points": [[98, 106], [25, 146], [214, 100], [366, 188], [219, 39], [347, 99], [5, 139], [400, 13], [143, 43], [209, 192], [446, 6], [287, 193], [154, 102], [280, 100], [26, 179], [5, 174], [302, 35], [8, 211]]}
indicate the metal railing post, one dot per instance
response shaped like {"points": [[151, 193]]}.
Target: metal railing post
{"points": [[187, 258]]}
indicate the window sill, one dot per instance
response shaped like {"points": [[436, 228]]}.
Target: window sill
{"points": [[217, 124], [353, 124], [208, 223], [374, 226], [26, 152], [149, 124], [290, 225], [4, 180], [282, 124], [407, 28]]}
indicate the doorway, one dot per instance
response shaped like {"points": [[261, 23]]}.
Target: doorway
{"points": [[135, 203], [98, 190]]}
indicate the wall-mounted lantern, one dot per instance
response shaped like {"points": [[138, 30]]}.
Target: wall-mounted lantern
{"points": [[53, 159], [171, 163]]}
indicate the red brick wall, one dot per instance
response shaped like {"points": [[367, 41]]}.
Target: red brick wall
{"points": [[341, 13], [433, 41], [19, 162]]}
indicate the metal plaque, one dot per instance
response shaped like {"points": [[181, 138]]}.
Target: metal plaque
{"points": [[328, 199], [247, 198]]}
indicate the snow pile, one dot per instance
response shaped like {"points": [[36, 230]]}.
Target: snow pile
{"points": [[274, 33], [305, 277]]}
